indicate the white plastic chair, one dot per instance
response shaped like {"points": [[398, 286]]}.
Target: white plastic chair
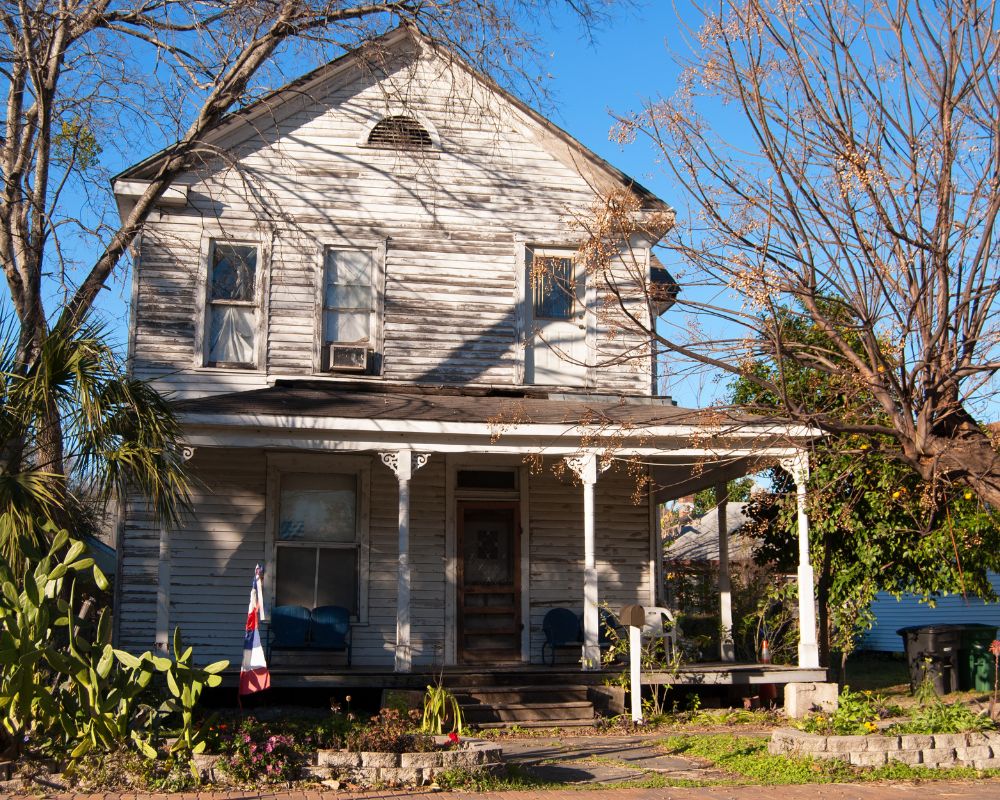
{"points": [[660, 624]]}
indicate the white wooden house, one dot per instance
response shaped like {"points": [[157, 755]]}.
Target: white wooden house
{"points": [[385, 400]]}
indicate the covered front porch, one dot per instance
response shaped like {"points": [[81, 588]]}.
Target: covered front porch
{"points": [[476, 514]]}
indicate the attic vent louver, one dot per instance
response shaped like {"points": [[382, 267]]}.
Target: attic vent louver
{"points": [[400, 133]]}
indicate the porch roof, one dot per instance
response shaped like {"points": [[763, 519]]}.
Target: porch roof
{"points": [[690, 448], [473, 404], [367, 400]]}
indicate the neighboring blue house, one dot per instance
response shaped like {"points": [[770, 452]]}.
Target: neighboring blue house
{"points": [[892, 614]]}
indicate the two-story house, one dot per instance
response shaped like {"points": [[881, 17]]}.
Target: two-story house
{"points": [[401, 390]]}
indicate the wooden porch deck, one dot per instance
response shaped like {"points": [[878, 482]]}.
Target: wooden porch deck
{"points": [[361, 677]]}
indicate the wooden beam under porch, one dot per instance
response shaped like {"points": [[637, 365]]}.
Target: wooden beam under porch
{"points": [[718, 674]]}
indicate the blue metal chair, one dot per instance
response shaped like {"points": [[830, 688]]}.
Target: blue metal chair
{"points": [[331, 629], [289, 628], [561, 628]]}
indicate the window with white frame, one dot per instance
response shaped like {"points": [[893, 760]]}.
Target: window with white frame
{"points": [[318, 540], [554, 287], [232, 305], [348, 296]]}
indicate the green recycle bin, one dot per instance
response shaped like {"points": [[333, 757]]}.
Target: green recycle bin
{"points": [[975, 662]]}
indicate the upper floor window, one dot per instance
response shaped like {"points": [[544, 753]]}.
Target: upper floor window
{"points": [[554, 287], [232, 305], [348, 296], [400, 133]]}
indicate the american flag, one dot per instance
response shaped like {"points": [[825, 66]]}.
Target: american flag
{"points": [[253, 673]]}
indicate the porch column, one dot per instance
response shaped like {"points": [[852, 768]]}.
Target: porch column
{"points": [[404, 463], [161, 644], [726, 649], [798, 467], [586, 467]]}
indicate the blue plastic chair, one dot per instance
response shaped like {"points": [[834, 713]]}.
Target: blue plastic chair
{"points": [[561, 628], [289, 628], [331, 629]]}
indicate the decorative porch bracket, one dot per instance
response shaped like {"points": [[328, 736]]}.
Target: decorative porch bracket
{"points": [[798, 467], [727, 651], [403, 463], [587, 467]]}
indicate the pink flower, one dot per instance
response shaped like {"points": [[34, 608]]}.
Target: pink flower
{"points": [[995, 647], [453, 737]]}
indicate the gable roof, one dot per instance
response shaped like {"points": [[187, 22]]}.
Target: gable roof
{"points": [[557, 141]]}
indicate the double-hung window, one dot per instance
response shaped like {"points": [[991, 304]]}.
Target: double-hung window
{"points": [[232, 306], [318, 541], [348, 297]]}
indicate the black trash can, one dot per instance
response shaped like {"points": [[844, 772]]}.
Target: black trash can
{"points": [[932, 653], [975, 671]]}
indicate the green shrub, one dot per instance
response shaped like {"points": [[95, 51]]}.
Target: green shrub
{"points": [[390, 732], [938, 717], [857, 713], [65, 691]]}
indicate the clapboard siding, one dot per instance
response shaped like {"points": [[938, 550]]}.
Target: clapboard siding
{"points": [[556, 546], [213, 555], [892, 614], [451, 221]]}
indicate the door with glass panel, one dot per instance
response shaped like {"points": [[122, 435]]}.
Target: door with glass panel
{"points": [[556, 353], [316, 548], [489, 603]]}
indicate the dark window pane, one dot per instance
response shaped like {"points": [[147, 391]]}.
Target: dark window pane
{"points": [[234, 270], [338, 578], [488, 547], [296, 579], [554, 290]]}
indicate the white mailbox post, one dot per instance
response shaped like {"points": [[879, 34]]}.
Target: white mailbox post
{"points": [[635, 617]]}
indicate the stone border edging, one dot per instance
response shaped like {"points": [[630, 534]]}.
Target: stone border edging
{"points": [[979, 750], [415, 769]]}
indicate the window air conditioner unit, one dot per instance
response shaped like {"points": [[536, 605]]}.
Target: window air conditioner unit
{"points": [[346, 358]]}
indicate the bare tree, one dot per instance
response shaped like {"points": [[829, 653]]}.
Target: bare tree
{"points": [[854, 191], [92, 82]]}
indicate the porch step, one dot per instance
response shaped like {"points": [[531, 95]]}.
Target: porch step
{"points": [[528, 712], [559, 723], [490, 695], [525, 706]]}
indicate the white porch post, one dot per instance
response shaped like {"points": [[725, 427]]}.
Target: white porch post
{"points": [[798, 467], [726, 650], [404, 463], [586, 468], [162, 643]]}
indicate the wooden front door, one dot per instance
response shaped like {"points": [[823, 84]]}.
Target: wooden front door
{"points": [[489, 602]]}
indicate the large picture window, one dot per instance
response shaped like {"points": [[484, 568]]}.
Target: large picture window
{"points": [[317, 545], [347, 296], [232, 302]]}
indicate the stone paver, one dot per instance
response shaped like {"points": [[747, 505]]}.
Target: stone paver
{"points": [[600, 760]]}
